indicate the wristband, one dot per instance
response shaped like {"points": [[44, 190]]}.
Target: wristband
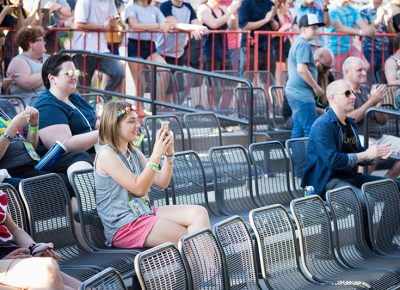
{"points": [[8, 137], [153, 166], [33, 128]]}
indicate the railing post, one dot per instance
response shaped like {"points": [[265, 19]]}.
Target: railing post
{"points": [[366, 137], [153, 89], [251, 112]]}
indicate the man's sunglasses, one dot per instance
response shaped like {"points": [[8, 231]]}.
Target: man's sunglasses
{"points": [[348, 93]]}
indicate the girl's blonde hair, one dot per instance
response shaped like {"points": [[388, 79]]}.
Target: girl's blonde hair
{"points": [[108, 132]]}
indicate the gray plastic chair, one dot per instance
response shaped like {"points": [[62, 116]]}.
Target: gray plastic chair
{"points": [[297, 152], [16, 207]]}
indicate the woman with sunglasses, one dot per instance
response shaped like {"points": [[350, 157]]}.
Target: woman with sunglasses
{"points": [[65, 116], [123, 177]]}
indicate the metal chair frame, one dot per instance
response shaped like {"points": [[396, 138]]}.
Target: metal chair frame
{"points": [[50, 218], [108, 279], [264, 173], [234, 177], [235, 240], [349, 236], [162, 267], [205, 260], [317, 249]]}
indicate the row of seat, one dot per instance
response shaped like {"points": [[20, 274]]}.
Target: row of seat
{"points": [[231, 180], [321, 258]]}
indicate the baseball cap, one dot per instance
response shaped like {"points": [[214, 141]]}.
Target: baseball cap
{"points": [[310, 20]]}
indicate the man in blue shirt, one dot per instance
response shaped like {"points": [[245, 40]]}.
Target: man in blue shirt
{"points": [[257, 15], [346, 19], [302, 85], [334, 150]]}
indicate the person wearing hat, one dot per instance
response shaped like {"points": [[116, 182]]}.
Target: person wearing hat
{"points": [[302, 87]]}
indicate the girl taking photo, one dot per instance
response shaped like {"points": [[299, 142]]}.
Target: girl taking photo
{"points": [[123, 176]]}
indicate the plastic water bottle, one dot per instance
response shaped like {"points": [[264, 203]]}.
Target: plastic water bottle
{"points": [[309, 190]]}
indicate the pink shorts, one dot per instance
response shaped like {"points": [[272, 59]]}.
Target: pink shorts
{"points": [[134, 234]]}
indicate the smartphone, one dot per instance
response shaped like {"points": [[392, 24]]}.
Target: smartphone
{"points": [[165, 125], [41, 249]]}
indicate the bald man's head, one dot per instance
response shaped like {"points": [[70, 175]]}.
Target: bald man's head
{"points": [[335, 87], [323, 58], [350, 62], [355, 71]]}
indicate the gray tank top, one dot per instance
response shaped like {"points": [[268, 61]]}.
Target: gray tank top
{"points": [[36, 67], [112, 199]]}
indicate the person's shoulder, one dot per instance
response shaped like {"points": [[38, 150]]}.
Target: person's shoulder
{"points": [[45, 99], [166, 5], [187, 5]]}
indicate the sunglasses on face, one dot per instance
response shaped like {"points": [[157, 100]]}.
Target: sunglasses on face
{"points": [[70, 73], [348, 93]]}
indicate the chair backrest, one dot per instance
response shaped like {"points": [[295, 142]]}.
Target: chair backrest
{"points": [[205, 260], [271, 172], [232, 179], [383, 208], [108, 279], [162, 267], [315, 237], [276, 240], [15, 206], [16, 104], [297, 152], [260, 106], [235, 240], [189, 184], [348, 225], [276, 94], [152, 125], [203, 131], [193, 90], [49, 213], [91, 224]]}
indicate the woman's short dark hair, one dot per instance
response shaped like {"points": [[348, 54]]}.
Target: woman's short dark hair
{"points": [[27, 35], [52, 66]]}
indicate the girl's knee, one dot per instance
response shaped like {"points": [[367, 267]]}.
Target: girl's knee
{"points": [[200, 213]]}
